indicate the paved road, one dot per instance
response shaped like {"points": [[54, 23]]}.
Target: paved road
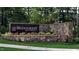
{"points": [[35, 48]]}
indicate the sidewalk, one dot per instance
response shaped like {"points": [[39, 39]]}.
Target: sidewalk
{"points": [[35, 48]]}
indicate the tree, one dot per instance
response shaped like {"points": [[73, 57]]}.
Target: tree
{"points": [[43, 14], [67, 14], [38, 15], [12, 14]]}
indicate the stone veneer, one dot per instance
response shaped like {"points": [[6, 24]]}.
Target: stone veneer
{"points": [[58, 28]]}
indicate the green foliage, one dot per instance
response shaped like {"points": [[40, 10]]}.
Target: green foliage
{"points": [[36, 15], [76, 40], [48, 33], [43, 15], [41, 33], [67, 14], [4, 29]]}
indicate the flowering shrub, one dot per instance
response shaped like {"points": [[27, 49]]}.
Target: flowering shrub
{"points": [[44, 37], [22, 33], [7, 34]]}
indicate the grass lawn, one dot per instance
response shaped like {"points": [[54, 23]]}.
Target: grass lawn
{"points": [[43, 44], [12, 49]]}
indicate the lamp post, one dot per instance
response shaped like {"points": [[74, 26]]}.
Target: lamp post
{"points": [[0, 26], [28, 13], [1, 19], [77, 21]]}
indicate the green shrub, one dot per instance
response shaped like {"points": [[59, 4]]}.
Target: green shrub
{"points": [[42, 33], [22, 33], [48, 33], [51, 31], [7, 34], [4, 29], [76, 40]]}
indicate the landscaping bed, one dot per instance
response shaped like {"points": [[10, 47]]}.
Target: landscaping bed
{"points": [[39, 38]]}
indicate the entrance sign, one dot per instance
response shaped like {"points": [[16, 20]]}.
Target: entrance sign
{"points": [[23, 27]]}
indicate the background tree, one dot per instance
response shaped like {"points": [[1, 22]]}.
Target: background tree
{"points": [[38, 15]]}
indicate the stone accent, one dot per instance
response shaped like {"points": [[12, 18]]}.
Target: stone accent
{"points": [[58, 28], [40, 38], [44, 27]]}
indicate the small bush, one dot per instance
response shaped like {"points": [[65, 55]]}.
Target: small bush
{"points": [[76, 40], [48, 33], [42, 33], [51, 31], [22, 33], [4, 29], [7, 34]]}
